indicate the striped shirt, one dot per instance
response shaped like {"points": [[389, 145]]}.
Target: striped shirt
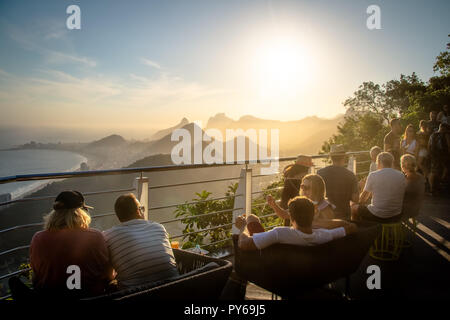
{"points": [[140, 252]]}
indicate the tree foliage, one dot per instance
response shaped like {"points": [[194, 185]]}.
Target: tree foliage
{"points": [[202, 215], [373, 105]]}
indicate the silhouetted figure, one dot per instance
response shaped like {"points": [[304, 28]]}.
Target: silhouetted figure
{"points": [[340, 183], [392, 141]]}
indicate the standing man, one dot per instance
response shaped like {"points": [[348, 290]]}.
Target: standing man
{"points": [[433, 123], [392, 142], [340, 183], [439, 150]]}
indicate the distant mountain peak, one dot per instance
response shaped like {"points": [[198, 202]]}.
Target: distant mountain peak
{"points": [[162, 133], [112, 140]]}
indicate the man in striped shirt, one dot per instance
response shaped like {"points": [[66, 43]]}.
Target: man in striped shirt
{"points": [[139, 250]]}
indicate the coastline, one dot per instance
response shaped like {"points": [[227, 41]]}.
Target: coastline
{"points": [[35, 186]]}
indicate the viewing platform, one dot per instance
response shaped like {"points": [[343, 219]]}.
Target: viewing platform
{"points": [[421, 272]]}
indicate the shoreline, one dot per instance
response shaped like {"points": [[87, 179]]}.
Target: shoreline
{"points": [[35, 186]]}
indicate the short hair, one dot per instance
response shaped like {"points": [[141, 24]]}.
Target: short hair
{"points": [[375, 151], [317, 186], [301, 210], [394, 121], [386, 159], [408, 162], [126, 207]]}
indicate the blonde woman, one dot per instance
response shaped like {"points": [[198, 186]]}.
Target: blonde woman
{"points": [[313, 188], [409, 143], [68, 247]]}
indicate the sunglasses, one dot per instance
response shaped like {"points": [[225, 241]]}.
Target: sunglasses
{"points": [[142, 209]]}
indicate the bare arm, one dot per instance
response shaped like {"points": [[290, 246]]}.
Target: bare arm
{"points": [[327, 213], [278, 210], [329, 224], [364, 197], [246, 242]]}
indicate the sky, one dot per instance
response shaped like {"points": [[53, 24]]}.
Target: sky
{"points": [[136, 65]]}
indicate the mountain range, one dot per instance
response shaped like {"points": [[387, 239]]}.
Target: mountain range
{"points": [[304, 136]]}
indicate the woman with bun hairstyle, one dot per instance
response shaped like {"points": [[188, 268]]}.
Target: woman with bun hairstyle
{"points": [[67, 247]]}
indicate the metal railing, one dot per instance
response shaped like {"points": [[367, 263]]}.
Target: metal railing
{"points": [[243, 196]]}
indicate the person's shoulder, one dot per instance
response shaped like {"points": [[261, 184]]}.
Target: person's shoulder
{"points": [[322, 170], [39, 235], [92, 232], [156, 226]]}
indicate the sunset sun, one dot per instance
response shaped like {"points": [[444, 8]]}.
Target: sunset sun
{"points": [[282, 68]]}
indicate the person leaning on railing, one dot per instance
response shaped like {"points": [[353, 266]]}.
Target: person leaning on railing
{"points": [[301, 212], [68, 248]]}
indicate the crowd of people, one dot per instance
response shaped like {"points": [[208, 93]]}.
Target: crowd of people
{"points": [[317, 208], [321, 207]]}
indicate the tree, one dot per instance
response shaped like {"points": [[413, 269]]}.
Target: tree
{"points": [[372, 106], [359, 132], [442, 64]]}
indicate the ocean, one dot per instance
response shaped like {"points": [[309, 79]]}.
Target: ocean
{"points": [[15, 162]]}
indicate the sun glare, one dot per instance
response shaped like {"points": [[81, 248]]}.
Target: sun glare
{"points": [[282, 69]]}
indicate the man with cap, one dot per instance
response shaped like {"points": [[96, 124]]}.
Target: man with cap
{"points": [[340, 183]]}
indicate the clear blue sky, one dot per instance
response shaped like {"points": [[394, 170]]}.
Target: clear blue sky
{"points": [[150, 63]]}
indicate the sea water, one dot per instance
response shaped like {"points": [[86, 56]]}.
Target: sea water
{"points": [[18, 162]]}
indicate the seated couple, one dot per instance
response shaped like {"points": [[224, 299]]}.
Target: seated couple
{"points": [[394, 195], [133, 253], [303, 231]]}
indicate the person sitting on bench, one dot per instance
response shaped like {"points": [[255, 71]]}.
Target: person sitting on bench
{"points": [[140, 250], [301, 211]]}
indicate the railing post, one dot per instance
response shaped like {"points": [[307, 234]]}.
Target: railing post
{"points": [[352, 164], [248, 190], [243, 200], [142, 193]]}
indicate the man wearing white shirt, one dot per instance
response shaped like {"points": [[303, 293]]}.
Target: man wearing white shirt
{"points": [[387, 187], [302, 232]]}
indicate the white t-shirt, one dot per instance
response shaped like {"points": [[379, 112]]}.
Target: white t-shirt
{"points": [[387, 186], [409, 147], [288, 235]]}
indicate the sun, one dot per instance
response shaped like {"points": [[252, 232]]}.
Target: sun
{"points": [[282, 68]]}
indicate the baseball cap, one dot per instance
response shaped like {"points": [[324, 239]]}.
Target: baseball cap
{"points": [[70, 200]]}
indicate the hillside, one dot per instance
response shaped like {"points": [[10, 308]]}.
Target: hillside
{"points": [[300, 136]]}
